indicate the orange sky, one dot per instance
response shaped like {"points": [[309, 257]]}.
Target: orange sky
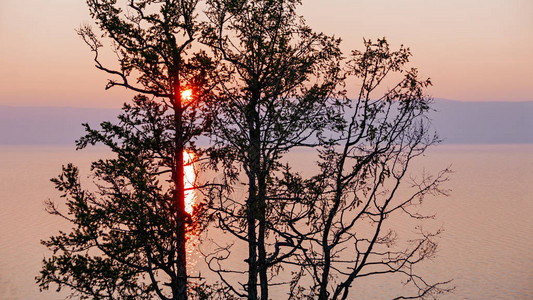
{"points": [[475, 50]]}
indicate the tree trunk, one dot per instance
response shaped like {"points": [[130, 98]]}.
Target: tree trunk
{"points": [[263, 278], [252, 205], [252, 245], [180, 285], [262, 263]]}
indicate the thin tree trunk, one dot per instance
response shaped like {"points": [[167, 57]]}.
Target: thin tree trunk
{"points": [[262, 263], [263, 278], [253, 193], [251, 207], [252, 245], [180, 284]]}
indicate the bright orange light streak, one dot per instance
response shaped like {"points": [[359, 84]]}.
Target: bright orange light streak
{"points": [[189, 179]]}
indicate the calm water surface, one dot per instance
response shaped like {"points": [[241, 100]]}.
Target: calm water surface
{"points": [[487, 246]]}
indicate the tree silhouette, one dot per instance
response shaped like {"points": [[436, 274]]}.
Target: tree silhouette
{"points": [[152, 41], [270, 84], [277, 79], [341, 217]]}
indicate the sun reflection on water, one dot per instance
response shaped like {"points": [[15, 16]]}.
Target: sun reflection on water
{"points": [[189, 180]]}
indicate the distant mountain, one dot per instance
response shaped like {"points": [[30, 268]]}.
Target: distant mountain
{"points": [[48, 125], [483, 122], [456, 122]]}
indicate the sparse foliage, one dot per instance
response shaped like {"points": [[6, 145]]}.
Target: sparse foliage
{"points": [[342, 216], [277, 79], [269, 85]]}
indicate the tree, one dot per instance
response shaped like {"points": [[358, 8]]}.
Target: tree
{"points": [[276, 85], [277, 78], [134, 228], [342, 215]]}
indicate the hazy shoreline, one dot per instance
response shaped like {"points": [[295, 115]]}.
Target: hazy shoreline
{"points": [[456, 122]]}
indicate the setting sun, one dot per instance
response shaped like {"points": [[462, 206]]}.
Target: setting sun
{"points": [[186, 95]]}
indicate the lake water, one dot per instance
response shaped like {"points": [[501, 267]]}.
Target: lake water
{"points": [[487, 246]]}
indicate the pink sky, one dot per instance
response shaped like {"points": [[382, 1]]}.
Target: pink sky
{"points": [[475, 50]]}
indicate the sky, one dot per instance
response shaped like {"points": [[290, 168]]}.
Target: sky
{"points": [[473, 50]]}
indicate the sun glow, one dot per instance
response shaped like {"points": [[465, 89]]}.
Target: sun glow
{"points": [[186, 95], [189, 178]]}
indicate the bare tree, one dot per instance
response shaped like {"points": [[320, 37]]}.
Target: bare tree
{"points": [[342, 215]]}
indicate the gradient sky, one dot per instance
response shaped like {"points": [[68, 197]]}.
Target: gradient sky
{"points": [[474, 50]]}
